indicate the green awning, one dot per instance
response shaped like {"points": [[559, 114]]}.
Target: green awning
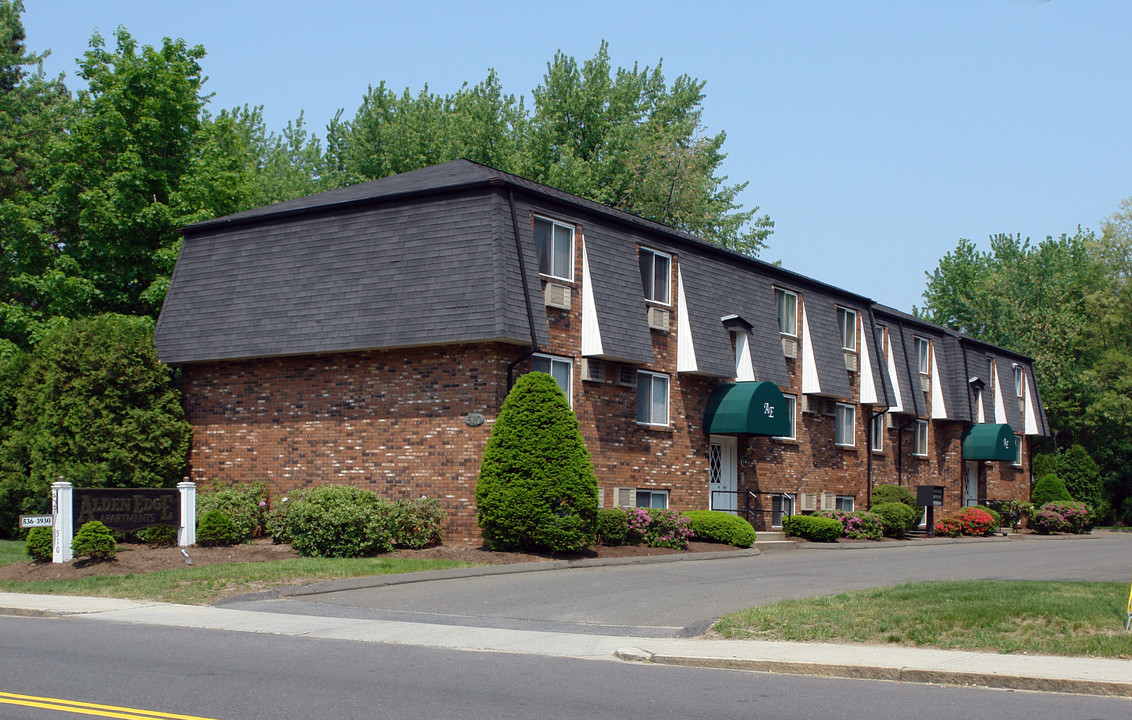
{"points": [[754, 408], [988, 441]]}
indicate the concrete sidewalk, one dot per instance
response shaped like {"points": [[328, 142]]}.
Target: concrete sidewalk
{"points": [[1090, 676]]}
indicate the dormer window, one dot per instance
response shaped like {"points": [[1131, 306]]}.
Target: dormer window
{"points": [[656, 268], [923, 355], [786, 304], [1019, 381], [554, 244], [847, 321]]}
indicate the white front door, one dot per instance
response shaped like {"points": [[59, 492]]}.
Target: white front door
{"points": [[971, 483], [722, 473]]}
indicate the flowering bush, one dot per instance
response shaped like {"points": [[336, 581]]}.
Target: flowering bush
{"points": [[1075, 515], [859, 525], [1046, 521], [658, 528], [968, 521]]}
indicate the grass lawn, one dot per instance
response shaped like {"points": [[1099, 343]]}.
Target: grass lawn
{"points": [[208, 583], [1052, 618]]}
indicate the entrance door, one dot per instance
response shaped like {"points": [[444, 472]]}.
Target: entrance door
{"points": [[971, 483], [722, 473]]}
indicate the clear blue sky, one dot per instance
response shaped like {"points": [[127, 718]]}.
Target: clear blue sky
{"points": [[874, 134]]}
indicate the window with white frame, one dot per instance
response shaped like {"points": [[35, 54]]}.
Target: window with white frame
{"points": [[1017, 462], [990, 373], [923, 355], [656, 269], [846, 420], [847, 321], [786, 303], [880, 336], [844, 503], [652, 499], [1019, 381], [780, 506], [920, 443], [554, 244], [792, 414], [876, 433], [652, 398], [561, 369]]}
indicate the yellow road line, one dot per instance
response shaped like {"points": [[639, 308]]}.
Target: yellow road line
{"points": [[82, 708]]}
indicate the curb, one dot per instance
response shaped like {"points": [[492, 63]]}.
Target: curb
{"points": [[1102, 688]]}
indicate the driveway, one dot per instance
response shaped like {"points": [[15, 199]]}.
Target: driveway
{"points": [[683, 598]]}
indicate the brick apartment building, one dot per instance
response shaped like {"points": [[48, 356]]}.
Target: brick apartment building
{"points": [[368, 336]]}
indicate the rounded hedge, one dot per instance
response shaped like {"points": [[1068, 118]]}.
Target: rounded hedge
{"points": [[94, 540], [245, 504], [811, 527], [1048, 488], [612, 527], [339, 521], [216, 529], [721, 527], [896, 518], [889, 493], [536, 487], [39, 544]]}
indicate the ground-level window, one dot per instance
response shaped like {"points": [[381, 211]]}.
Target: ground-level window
{"points": [[846, 420], [845, 503], [652, 499], [561, 369], [792, 413], [652, 398], [920, 444], [1017, 462], [554, 244], [655, 269], [876, 433], [780, 507]]}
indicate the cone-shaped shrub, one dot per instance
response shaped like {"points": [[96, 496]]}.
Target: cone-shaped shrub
{"points": [[536, 489], [1047, 489]]}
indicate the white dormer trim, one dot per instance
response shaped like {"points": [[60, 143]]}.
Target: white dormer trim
{"points": [[980, 416], [999, 405], [810, 383], [939, 409], [685, 348], [894, 380], [591, 329], [868, 387], [1031, 419], [744, 368]]}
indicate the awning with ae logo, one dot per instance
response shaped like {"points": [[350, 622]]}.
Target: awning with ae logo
{"points": [[990, 441], [753, 408]]}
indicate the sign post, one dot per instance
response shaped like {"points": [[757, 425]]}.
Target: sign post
{"points": [[62, 514], [932, 497]]}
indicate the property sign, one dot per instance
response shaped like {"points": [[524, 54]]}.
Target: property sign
{"points": [[31, 521], [929, 495], [127, 510]]}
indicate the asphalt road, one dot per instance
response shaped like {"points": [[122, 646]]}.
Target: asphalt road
{"points": [[245, 676], [683, 598]]}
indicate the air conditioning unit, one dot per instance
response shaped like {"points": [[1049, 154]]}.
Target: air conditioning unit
{"points": [[593, 370], [889, 421], [789, 348], [627, 375], [818, 405], [557, 296], [658, 319], [624, 497], [925, 383], [1022, 406], [828, 501], [851, 362], [807, 502]]}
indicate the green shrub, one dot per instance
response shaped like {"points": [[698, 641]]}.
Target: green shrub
{"points": [[245, 504], [612, 527], [1010, 512], [896, 518], [536, 487], [339, 521], [94, 540], [216, 529], [39, 544], [158, 536], [812, 527], [275, 521], [721, 527], [1048, 488], [1081, 475], [1126, 511], [895, 493], [418, 523]]}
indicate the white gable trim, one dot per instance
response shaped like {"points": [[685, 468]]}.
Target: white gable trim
{"points": [[939, 409], [868, 387], [591, 329], [744, 368], [999, 405], [810, 382], [685, 348], [1031, 419], [894, 379]]}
